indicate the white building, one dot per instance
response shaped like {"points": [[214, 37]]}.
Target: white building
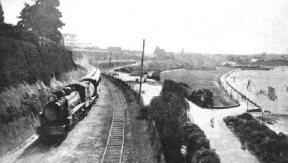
{"points": [[71, 40]]}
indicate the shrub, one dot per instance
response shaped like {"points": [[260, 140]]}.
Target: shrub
{"points": [[169, 111], [156, 75], [172, 86], [245, 116], [144, 112], [195, 140], [202, 97], [205, 156], [267, 145]]}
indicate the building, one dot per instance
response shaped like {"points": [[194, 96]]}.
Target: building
{"points": [[71, 40]]}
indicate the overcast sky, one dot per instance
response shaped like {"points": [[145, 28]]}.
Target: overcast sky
{"points": [[205, 26]]}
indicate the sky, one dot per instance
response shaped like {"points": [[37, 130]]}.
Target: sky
{"points": [[199, 26]]}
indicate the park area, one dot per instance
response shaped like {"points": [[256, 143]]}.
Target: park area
{"points": [[269, 89], [208, 79]]}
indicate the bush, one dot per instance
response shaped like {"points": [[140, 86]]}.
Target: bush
{"points": [[195, 140], [205, 156], [169, 111], [172, 86], [267, 145], [144, 112], [156, 75], [202, 97], [245, 116]]}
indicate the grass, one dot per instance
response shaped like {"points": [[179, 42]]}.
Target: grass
{"points": [[196, 77], [208, 79], [19, 108]]}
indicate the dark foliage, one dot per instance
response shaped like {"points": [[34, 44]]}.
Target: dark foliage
{"points": [[8, 30], [245, 116], [172, 86], [169, 111], [124, 69], [21, 61], [202, 97], [267, 145], [198, 146], [1, 14], [205, 156], [156, 75], [42, 18]]}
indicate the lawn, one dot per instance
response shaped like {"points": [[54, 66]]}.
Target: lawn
{"points": [[197, 79]]}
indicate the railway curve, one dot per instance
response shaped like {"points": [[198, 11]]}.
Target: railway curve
{"points": [[115, 143]]}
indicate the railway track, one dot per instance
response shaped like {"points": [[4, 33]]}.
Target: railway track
{"points": [[115, 143]]}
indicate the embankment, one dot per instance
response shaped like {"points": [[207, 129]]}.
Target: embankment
{"points": [[21, 61], [26, 71]]}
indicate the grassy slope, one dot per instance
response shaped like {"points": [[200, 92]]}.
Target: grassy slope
{"points": [[197, 79], [209, 79], [21, 61]]}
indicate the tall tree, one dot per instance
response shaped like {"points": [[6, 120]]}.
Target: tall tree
{"points": [[42, 18], [1, 14]]}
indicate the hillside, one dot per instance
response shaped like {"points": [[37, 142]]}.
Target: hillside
{"points": [[21, 61]]}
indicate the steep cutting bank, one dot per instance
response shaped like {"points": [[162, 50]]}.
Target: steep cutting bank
{"points": [[21, 61], [28, 75]]}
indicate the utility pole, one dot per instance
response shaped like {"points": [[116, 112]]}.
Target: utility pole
{"points": [[141, 71], [110, 61], [247, 104]]}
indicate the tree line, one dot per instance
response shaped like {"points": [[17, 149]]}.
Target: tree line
{"points": [[41, 18]]}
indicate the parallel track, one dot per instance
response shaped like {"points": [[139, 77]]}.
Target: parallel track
{"points": [[114, 147]]}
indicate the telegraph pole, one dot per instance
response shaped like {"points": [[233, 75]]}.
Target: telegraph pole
{"points": [[141, 71], [110, 61]]}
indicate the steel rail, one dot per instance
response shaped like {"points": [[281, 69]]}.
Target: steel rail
{"points": [[115, 143]]}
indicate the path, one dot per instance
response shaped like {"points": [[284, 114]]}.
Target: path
{"points": [[221, 138]]}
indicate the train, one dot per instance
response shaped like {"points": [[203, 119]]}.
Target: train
{"points": [[67, 107]]}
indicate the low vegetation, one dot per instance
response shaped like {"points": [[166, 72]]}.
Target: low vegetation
{"points": [[169, 112], [267, 145], [202, 98], [198, 146]]}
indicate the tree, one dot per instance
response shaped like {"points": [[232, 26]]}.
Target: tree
{"points": [[43, 18], [1, 14]]}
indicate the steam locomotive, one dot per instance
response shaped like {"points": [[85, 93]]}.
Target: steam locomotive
{"points": [[68, 106]]}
